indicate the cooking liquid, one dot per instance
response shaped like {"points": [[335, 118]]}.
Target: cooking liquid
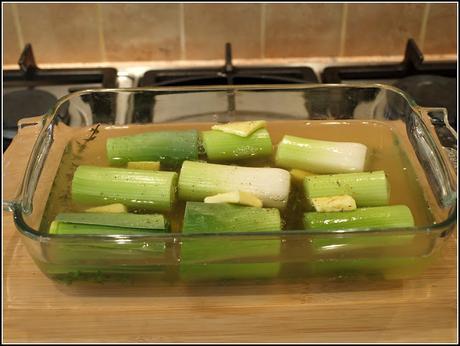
{"points": [[385, 153]]}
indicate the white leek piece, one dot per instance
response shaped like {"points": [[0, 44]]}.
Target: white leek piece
{"points": [[198, 180], [320, 156]]}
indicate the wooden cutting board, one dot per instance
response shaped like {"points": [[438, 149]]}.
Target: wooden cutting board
{"points": [[37, 309]]}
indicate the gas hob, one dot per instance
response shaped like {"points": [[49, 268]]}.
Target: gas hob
{"points": [[31, 91]]}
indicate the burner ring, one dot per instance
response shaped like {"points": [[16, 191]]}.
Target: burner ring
{"points": [[25, 103]]}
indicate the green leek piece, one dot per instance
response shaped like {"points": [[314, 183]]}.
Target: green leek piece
{"points": [[141, 189], [341, 244], [385, 217], [82, 253], [59, 227], [221, 146], [124, 220], [168, 147], [230, 257], [346, 246], [204, 217], [198, 180], [368, 189], [320, 156]]}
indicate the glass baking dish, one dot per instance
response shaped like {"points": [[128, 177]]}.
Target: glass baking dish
{"points": [[410, 137]]}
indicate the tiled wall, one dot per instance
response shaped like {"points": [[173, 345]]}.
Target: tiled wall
{"points": [[144, 32]]}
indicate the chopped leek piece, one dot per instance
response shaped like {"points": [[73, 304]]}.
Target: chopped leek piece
{"points": [[148, 165], [373, 218], [168, 147], [221, 146], [134, 188], [334, 203], [336, 245], [368, 189], [126, 220], [232, 257], [58, 227], [320, 156], [204, 217], [111, 208], [241, 128], [235, 197], [198, 180]]}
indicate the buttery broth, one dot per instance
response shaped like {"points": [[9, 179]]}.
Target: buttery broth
{"points": [[388, 151], [385, 153]]}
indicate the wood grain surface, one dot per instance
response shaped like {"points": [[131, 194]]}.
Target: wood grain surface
{"points": [[37, 309]]}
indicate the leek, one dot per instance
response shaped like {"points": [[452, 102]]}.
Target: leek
{"points": [[168, 147], [320, 156], [107, 223], [134, 188], [221, 146], [198, 180], [368, 189], [204, 258], [128, 220], [222, 217], [105, 255], [59, 227], [394, 216], [338, 246]]}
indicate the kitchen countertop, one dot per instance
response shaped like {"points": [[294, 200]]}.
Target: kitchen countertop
{"points": [[37, 309]]}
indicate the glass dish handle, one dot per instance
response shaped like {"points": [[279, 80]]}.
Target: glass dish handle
{"points": [[446, 134], [23, 170], [431, 150]]}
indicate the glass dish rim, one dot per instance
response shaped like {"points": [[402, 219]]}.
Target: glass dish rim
{"points": [[50, 115]]}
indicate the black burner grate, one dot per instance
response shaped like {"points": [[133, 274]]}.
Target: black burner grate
{"points": [[30, 75], [30, 90], [228, 75], [411, 65]]}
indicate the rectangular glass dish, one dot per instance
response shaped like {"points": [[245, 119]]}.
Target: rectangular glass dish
{"points": [[400, 135]]}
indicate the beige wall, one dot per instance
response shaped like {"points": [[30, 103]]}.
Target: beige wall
{"points": [[143, 32]]}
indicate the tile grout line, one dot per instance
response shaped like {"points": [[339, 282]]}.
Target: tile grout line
{"points": [[343, 29], [100, 28], [182, 31], [17, 25], [263, 15], [422, 36]]}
